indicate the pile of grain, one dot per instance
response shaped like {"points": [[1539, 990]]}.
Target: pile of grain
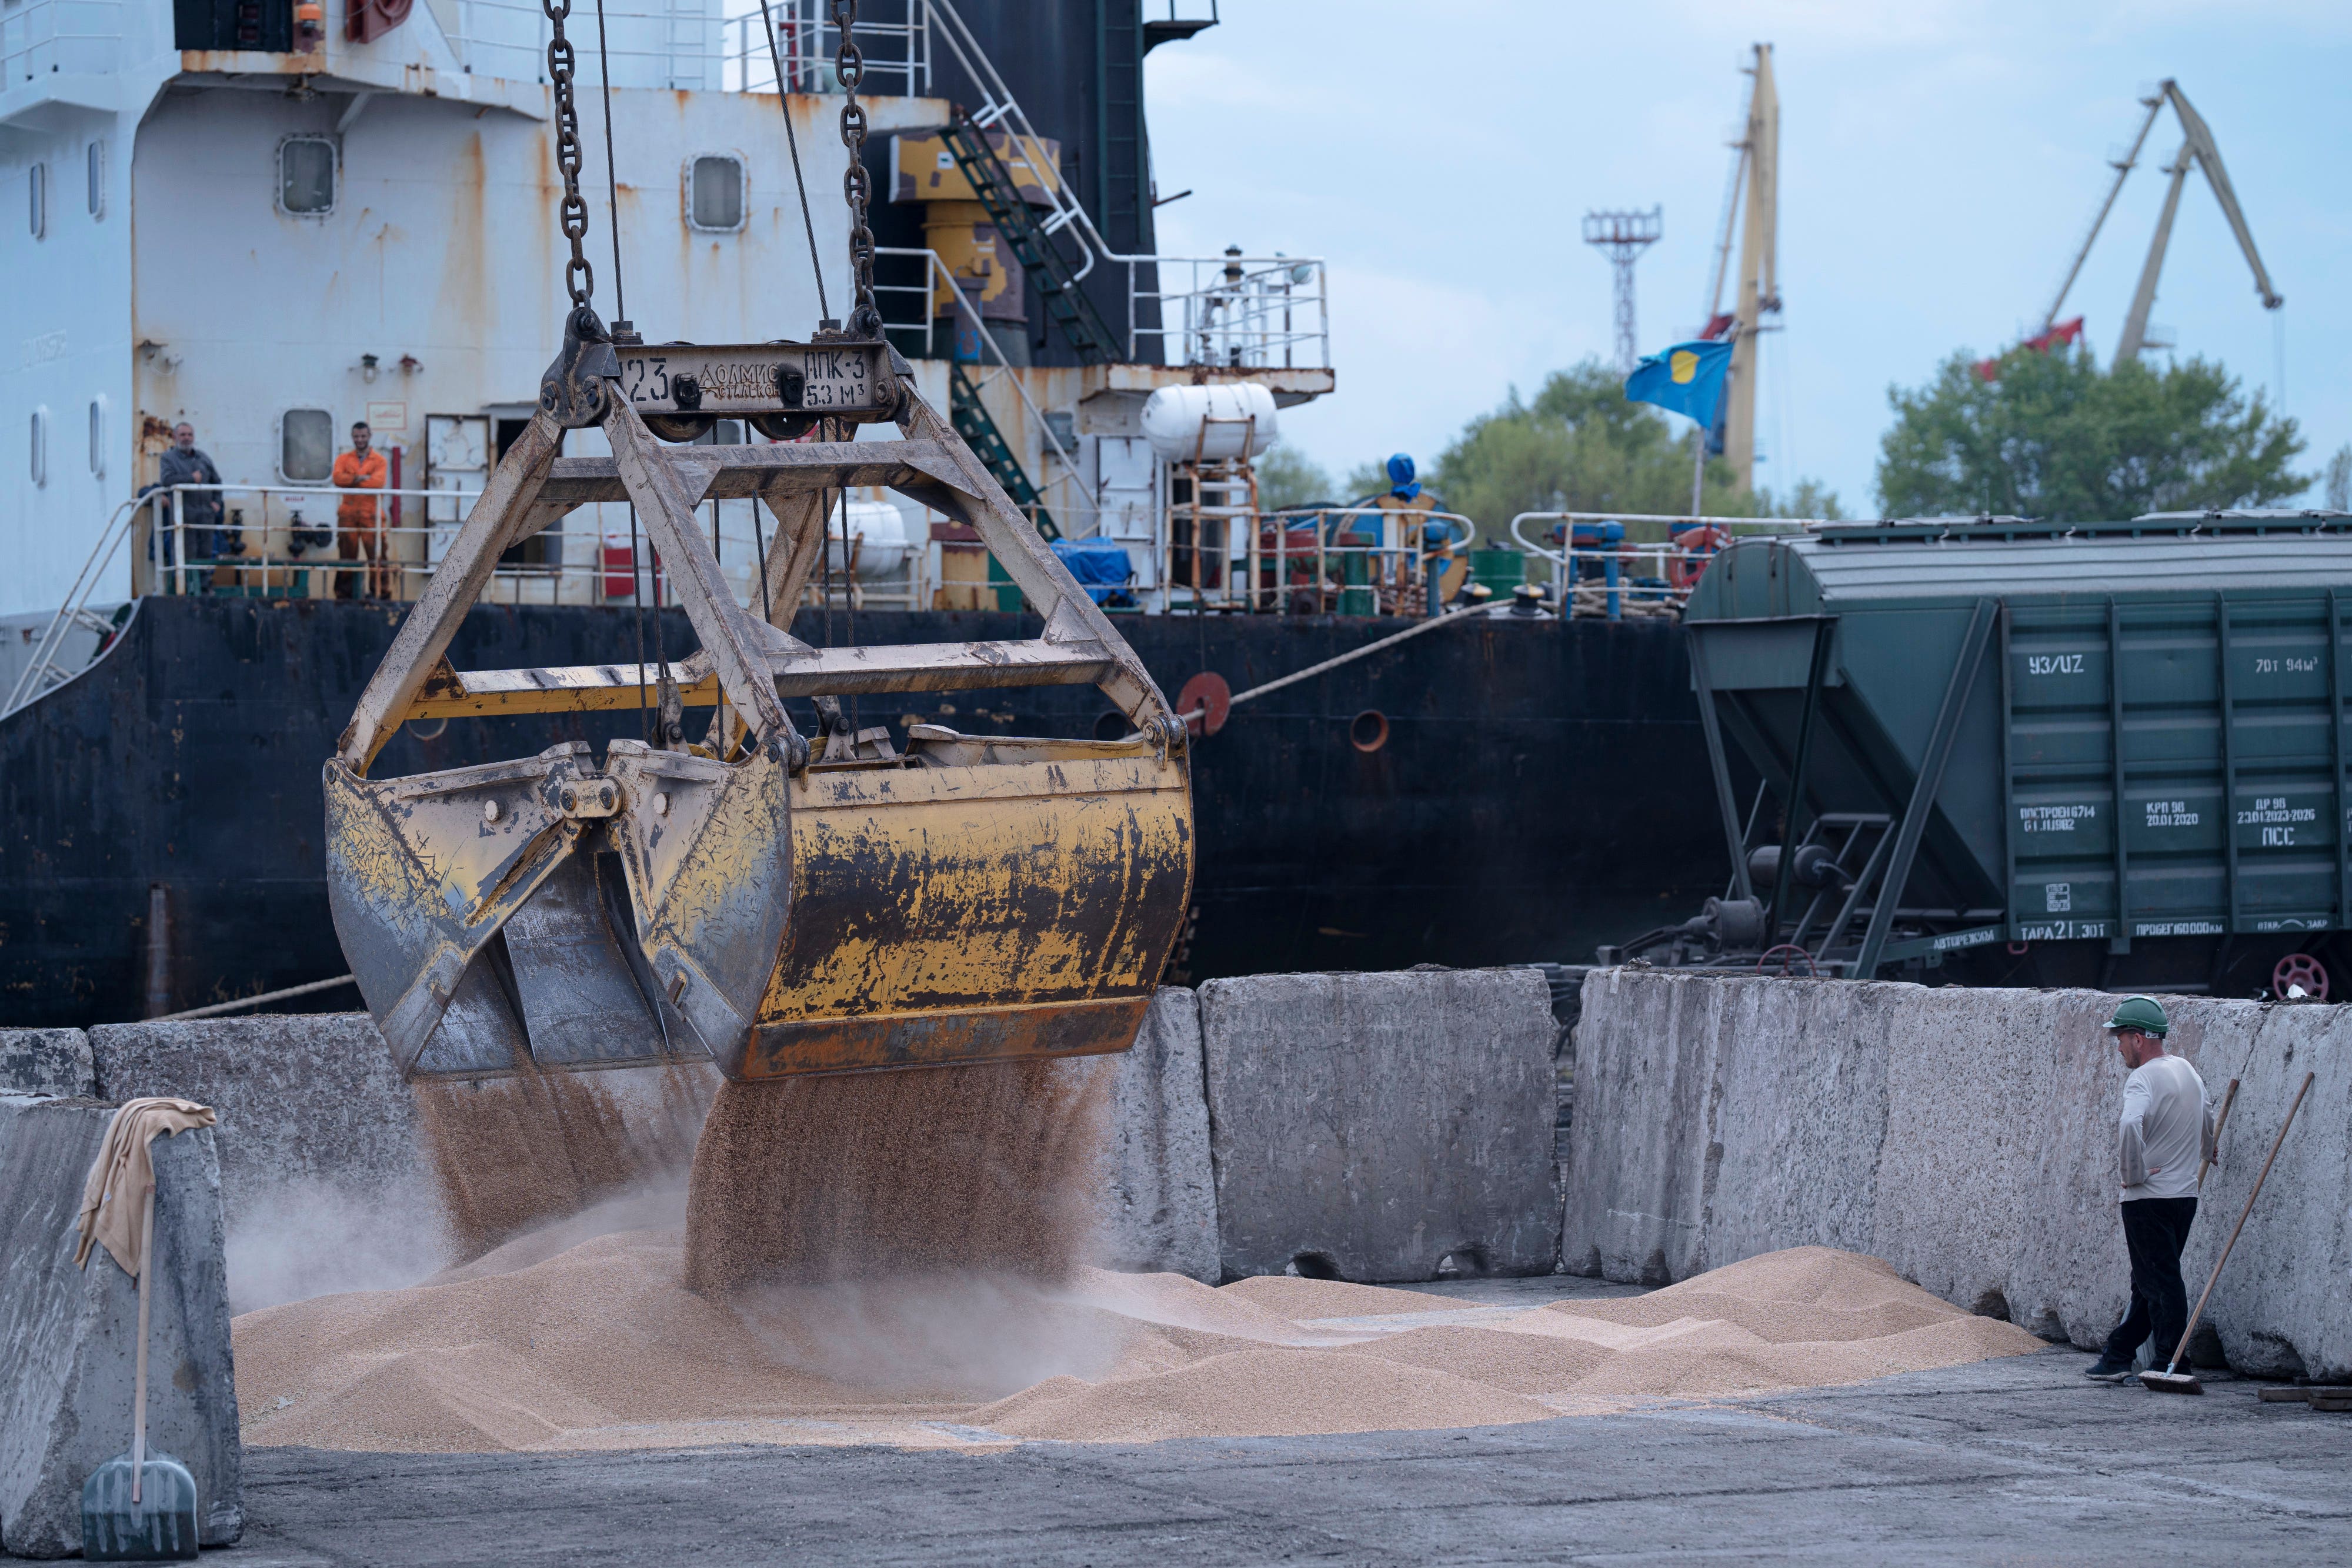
{"points": [[558, 1342]]}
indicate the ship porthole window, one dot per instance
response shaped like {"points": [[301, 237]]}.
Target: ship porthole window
{"points": [[98, 437], [97, 179], [1368, 730], [39, 196], [714, 193], [306, 175], [40, 448], [306, 446]]}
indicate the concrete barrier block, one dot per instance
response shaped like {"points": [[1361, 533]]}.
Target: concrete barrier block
{"points": [[1159, 1208], [306, 1099], [68, 1336], [2280, 1306], [46, 1061], [1966, 1136], [1376, 1125], [324, 1184], [1640, 1144], [1817, 1100]]}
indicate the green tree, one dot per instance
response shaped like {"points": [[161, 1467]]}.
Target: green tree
{"points": [[1810, 498], [1365, 479], [1288, 476], [1579, 447], [2052, 435], [2338, 481]]}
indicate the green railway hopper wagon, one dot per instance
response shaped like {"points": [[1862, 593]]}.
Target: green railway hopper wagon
{"points": [[2030, 754]]}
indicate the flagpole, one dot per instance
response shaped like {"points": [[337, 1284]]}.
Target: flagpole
{"points": [[1698, 465]]}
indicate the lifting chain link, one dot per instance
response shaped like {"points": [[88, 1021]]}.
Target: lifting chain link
{"points": [[577, 278], [856, 185]]}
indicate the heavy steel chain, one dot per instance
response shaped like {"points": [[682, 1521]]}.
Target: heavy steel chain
{"points": [[577, 278], [856, 185]]}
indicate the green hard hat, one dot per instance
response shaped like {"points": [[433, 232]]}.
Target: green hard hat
{"points": [[2145, 1014]]}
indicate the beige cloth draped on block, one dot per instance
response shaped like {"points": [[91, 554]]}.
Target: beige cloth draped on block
{"points": [[114, 1198]]}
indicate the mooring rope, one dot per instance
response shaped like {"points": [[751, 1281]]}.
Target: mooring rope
{"points": [[1448, 618]]}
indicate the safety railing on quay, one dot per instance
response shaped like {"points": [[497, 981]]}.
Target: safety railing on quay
{"points": [[1615, 577], [1397, 568]]}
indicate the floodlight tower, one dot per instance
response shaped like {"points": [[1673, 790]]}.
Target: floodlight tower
{"points": [[1624, 236]]}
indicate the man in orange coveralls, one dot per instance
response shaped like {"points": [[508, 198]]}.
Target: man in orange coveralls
{"points": [[358, 530]]}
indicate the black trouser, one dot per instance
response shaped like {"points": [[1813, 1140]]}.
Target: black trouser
{"points": [[2156, 1229]]}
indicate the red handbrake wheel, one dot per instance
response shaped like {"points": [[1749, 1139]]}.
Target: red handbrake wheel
{"points": [[2300, 969]]}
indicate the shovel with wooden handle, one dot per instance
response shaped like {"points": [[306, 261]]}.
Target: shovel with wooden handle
{"points": [[139, 1507], [2171, 1380]]}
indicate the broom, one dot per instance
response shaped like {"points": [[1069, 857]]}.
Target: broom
{"points": [[139, 1507], [2171, 1380], [2221, 1125]]}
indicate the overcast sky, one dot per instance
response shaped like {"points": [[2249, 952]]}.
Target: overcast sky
{"points": [[1939, 164]]}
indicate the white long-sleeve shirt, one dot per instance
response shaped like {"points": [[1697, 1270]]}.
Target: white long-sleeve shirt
{"points": [[2166, 1128]]}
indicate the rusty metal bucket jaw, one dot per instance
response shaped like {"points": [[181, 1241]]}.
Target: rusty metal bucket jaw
{"points": [[423, 872], [706, 846]]}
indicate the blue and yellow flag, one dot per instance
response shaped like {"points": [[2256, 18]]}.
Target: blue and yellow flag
{"points": [[1688, 379]]}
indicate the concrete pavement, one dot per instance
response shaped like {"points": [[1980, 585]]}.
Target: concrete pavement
{"points": [[2002, 1462]]}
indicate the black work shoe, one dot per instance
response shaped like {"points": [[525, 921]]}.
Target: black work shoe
{"points": [[2107, 1371]]}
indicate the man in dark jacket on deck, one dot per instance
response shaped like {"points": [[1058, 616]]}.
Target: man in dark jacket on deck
{"points": [[200, 511]]}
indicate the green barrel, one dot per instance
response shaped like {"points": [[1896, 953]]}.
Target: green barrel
{"points": [[1501, 570]]}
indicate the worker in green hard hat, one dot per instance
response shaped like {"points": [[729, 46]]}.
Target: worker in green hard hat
{"points": [[2165, 1128]]}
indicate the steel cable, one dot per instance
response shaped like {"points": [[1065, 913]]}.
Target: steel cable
{"points": [[791, 141], [611, 181]]}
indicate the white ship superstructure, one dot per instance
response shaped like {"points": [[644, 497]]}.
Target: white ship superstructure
{"points": [[271, 243]]}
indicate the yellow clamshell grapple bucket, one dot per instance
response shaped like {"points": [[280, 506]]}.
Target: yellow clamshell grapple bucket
{"points": [[776, 902]]}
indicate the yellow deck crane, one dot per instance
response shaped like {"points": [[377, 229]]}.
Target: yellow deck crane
{"points": [[1751, 208], [776, 902]]}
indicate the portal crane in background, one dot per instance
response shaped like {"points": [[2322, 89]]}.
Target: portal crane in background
{"points": [[1757, 167], [2197, 144]]}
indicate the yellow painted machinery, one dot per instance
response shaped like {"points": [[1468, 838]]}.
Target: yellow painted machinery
{"points": [[780, 902], [773, 905]]}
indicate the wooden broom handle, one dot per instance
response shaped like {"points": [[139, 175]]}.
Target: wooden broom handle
{"points": [[2247, 1213], [139, 1395], [2221, 1122]]}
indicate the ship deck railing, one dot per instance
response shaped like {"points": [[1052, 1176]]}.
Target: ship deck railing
{"points": [[293, 548], [1229, 311], [1636, 578], [1060, 490], [1241, 559]]}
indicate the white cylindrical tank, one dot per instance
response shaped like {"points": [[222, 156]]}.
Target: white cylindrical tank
{"points": [[879, 529], [1211, 423]]}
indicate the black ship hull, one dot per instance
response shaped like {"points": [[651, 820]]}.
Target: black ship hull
{"points": [[1539, 789]]}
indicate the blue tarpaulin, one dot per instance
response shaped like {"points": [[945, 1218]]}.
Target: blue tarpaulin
{"points": [[1101, 567]]}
